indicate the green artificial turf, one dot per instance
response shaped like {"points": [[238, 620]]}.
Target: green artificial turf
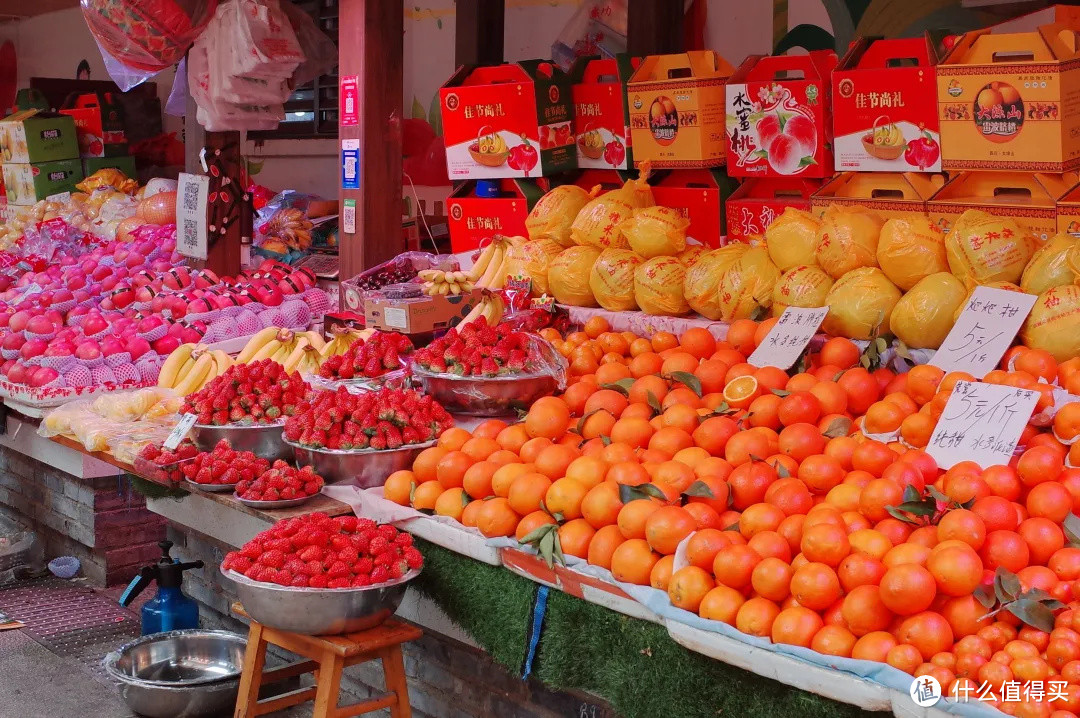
{"points": [[153, 490]]}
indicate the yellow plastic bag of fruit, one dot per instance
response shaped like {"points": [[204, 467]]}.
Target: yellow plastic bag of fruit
{"points": [[923, 317], [1049, 266], [532, 259], [658, 286], [985, 248], [792, 239], [552, 216], [848, 239], [909, 250], [860, 302], [747, 285], [612, 279], [597, 224], [1054, 323], [568, 276], [655, 231], [703, 279], [692, 254], [806, 285]]}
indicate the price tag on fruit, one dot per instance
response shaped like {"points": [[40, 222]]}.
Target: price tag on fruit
{"points": [[192, 193], [983, 331], [981, 423], [179, 432], [788, 337]]}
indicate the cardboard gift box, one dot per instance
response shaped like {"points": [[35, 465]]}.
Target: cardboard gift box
{"points": [[35, 136], [511, 120], [885, 115], [890, 194], [779, 116], [677, 110], [27, 183], [1029, 199], [698, 195], [417, 315], [759, 200], [601, 113], [473, 218], [99, 124]]}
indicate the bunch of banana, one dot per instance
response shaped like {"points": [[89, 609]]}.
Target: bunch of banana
{"points": [[494, 262], [191, 367], [272, 343], [436, 281], [305, 358], [343, 339], [490, 306]]}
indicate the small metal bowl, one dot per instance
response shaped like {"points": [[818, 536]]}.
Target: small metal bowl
{"points": [[263, 440], [279, 504], [179, 674], [367, 468], [320, 611], [485, 395], [212, 488]]}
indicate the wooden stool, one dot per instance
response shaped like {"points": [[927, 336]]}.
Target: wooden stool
{"points": [[326, 657]]}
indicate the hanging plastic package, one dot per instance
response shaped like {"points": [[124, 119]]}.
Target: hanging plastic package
{"points": [[597, 224], [1049, 266], [747, 285], [1054, 323], [568, 276], [655, 231], [658, 286], [804, 286], [984, 248]]}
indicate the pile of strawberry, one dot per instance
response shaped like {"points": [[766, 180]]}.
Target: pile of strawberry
{"points": [[256, 393], [383, 419], [381, 353], [280, 482], [161, 457], [476, 349], [316, 551], [224, 466]]}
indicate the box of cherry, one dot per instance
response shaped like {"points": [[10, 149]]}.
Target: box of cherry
{"points": [[280, 483], [316, 551], [257, 393], [223, 467], [162, 465]]}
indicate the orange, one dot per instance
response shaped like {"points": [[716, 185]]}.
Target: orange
{"points": [[575, 537], [756, 617], [595, 326], [479, 448], [564, 497], [747, 446], [1039, 363], [864, 612], [842, 448], [527, 492], [633, 432], [426, 494], [861, 388], [834, 641], [666, 527], [505, 475], [705, 517], [688, 587], [679, 361], [1039, 464], [425, 462], [601, 505], [680, 416], [734, 565], [609, 399], [611, 369], [1049, 500], [512, 437], [469, 515], [675, 474], [548, 417], [859, 569], [801, 382], [660, 576], [452, 503], [633, 516], [664, 340], [633, 561], [398, 486], [740, 392], [872, 456], [477, 479], [703, 546], [821, 473], [603, 545], [877, 495], [749, 482], [963, 525], [532, 448], [800, 440], [716, 492], [796, 626], [1043, 537], [799, 407], [815, 586], [904, 657], [589, 470], [883, 417], [577, 394], [825, 543], [763, 328], [831, 398], [645, 364], [711, 373], [453, 438], [740, 336], [923, 381], [790, 495], [713, 434], [450, 471], [874, 646], [771, 579], [763, 411], [531, 522], [771, 543], [907, 589], [496, 518], [721, 604], [840, 352], [929, 632], [670, 440], [1067, 422], [1005, 548], [488, 429], [870, 542], [552, 461], [958, 571]]}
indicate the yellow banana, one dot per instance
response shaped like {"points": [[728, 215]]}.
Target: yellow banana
{"points": [[197, 375], [477, 310], [499, 278], [493, 267], [482, 262], [293, 359], [168, 377], [267, 350], [257, 342], [223, 361], [315, 339]]}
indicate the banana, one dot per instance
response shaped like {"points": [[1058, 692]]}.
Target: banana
{"points": [[494, 266], [482, 262], [257, 342], [493, 311], [197, 376], [267, 350], [477, 310], [292, 361], [171, 368], [223, 361], [499, 277], [315, 339], [430, 275], [443, 289]]}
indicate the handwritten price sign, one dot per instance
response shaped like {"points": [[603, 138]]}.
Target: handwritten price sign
{"points": [[788, 337], [983, 331], [981, 423]]}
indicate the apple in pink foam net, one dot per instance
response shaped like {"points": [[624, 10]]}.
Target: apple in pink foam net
{"points": [[18, 373], [166, 345], [136, 347], [111, 345], [13, 342], [59, 349], [803, 130], [88, 350], [42, 376], [94, 324], [19, 320], [39, 325], [33, 348]]}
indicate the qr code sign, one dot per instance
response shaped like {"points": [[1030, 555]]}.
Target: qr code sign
{"points": [[190, 236], [191, 219], [191, 197]]}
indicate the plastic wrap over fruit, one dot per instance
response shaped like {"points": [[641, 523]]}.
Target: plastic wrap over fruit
{"points": [[1054, 323], [792, 239], [909, 250], [532, 259], [923, 317], [985, 248], [658, 286], [848, 239], [568, 276], [692, 254], [108, 177], [702, 283], [747, 285], [655, 231], [612, 279], [860, 303], [597, 224], [552, 216], [129, 405], [1049, 266], [806, 286]]}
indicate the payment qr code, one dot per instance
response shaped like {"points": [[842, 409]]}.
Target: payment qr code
{"points": [[190, 234], [191, 196]]}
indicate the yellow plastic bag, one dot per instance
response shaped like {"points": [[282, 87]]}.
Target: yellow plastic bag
{"points": [[923, 317], [848, 239], [747, 285], [658, 286], [568, 276], [1049, 266], [552, 216], [792, 239], [597, 224], [860, 302], [612, 279], [806, 285], [655, 231], [910, 250], [703, 279], [690, 256], [985, 248], [1054, 323], [532, 259]]}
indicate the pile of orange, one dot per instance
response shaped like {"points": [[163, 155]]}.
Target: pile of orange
{"points": [[785, 490]]}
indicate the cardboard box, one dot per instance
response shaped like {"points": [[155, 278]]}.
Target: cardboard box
{"points": [[125, 164], [511, 120], [677, 110], [1030, 199], [601, 112], [1011, 101], [27, 183], [1068, 212], [890, 194], [99, 124], [419, 315], [35, 136], [884, 107], [779, 116], [759, 200], [472, 218], [699, 196]]}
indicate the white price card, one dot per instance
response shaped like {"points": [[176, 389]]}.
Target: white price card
{"points": [[191, 220], [788, 337], [983, 331], [981, 423], [179, 432]]}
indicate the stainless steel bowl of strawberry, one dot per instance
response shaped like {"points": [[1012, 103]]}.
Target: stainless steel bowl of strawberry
{"points": [[223, 467], [362, 439], [317, 575], [279, 486]]}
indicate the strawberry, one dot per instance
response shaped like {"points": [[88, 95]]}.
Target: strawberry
{"points": [[380, 574]]}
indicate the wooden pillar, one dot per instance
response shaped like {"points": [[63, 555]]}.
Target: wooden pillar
{"points": [[479, 28], [654, 27], [370, 47]]}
